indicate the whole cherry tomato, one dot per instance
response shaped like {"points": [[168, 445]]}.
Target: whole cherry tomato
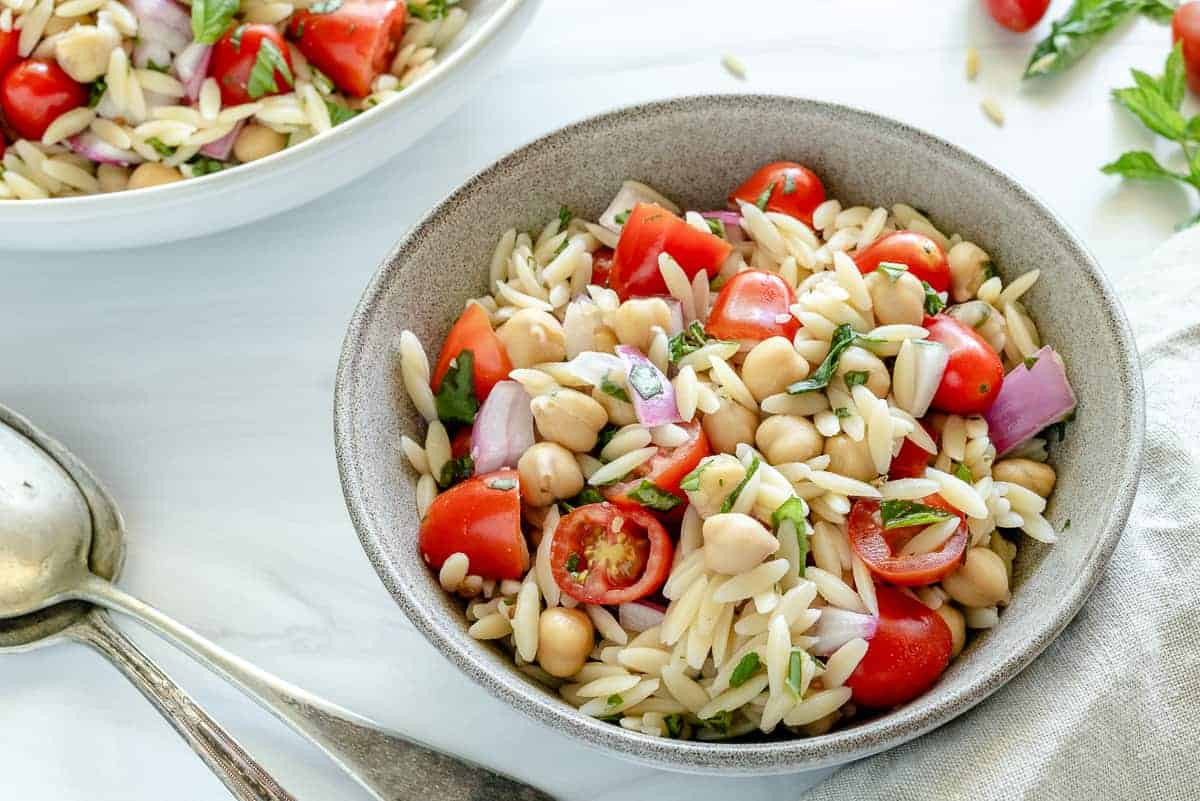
{"points": [[791, 189], [35, 93], [974, 372], [1017, 15], [1185, 27]]}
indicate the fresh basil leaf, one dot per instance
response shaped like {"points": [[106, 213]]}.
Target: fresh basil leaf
{"points": [[1084, 24], [796, 511], [455, 399], [899, 514], [1029, 362], [96, 91], [649, 495], [843, 337], [855, 377], [210, 18], [963, 473], [841, 412], [430, 10], [623, 217], [613, 389], [795, 672], [262, 80], [688, 341], [614, 700], [564, 218], [163, 68], [1140, 165], [674, 724], [720, 722], [646, 381], [456, 470], [586, 496], [572, 564], [605, 436], [502, 484], [160, 147], [933, 301], [715, 226], [745, 670], [892, 270], [765, 197], [325, 6], [691, 482], [339, 113], [1154, 111], [1160, 11], [728, 503], [203, 165]]}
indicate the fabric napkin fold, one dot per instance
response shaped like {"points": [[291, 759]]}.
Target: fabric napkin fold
{"points": [[1111, 710]]}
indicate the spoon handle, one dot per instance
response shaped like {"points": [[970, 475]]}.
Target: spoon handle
{"points": [[244, 777], [391, 767]]}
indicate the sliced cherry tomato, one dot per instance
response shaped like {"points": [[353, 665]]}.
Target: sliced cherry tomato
{"points": [[923, 257], [480, 517], [1017, 15], [237, 52], [974, 372], [606, 554], [650, 231], [352, 44], [753, 305], [879, 547], [665, 470], [34, 93], [473, 332], [8, 48], [910, 649], [795, 190], [1185, 26], [460, 443], [602, 262], [912, 459]]}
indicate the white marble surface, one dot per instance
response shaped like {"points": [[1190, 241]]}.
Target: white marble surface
{"points": [[196, 379]]}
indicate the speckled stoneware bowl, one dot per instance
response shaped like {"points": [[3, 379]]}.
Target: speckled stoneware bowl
{"points": [[696, 149]]}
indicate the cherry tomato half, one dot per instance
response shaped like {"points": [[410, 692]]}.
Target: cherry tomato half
{"points": [[1017, 15], [974, 372], [352, 44], [910, 649], [666, 469], [753, 305], [879, 547], [233, 59], [602, 262], [473, 332], [923, 257], [650, 231], [795, 189], [1185, 26], [606, 554], [480, 517], [34, 93]]}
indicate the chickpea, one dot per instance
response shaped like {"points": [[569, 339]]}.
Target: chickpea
{"points": [[620, 412], [987, 322], [532, 336], [970, 266], [730, 425], [718, 477], [957, 625], [981, 581], [569, 418], [860, 360], [548, 473], [112, 178], [153, 174], [850, 458], [565, 638], [1034, 476], [771, 365], [256, 142], [898, 299], [734, 543], [788, 438], [634, 321]]}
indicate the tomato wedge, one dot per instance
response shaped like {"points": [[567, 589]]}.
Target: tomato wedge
{"points": [[605, 554], [473, 331], [974, 373], [480, 517], [753, 305], [795, 190], [665, 470], [650, 231], [910, 649], [879, 547], [923, 257], [353, 43], [235, 56]]}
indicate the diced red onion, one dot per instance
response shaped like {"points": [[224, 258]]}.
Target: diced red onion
{"points": [[221, 148], [659, 408], [640, 615], [163, 22], [732, 222], [93, 148], [676, 324], [191, 68], [503, 428], [1030, 399], [836, 627]]}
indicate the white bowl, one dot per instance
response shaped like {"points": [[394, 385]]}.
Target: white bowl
{"points": [[286, 179]]}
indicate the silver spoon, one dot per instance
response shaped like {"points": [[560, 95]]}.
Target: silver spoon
{"points": [[46, 554]]}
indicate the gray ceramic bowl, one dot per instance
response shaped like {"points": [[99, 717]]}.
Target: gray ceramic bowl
{"points": [[696, 149]]}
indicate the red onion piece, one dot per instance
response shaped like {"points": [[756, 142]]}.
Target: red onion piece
{"points": [[221, 148], [640, 615], [1030, 399], [93, 148], [732, 222], [503, 428], [836, 627], [163, 22], [658, 409], [191, 68]]}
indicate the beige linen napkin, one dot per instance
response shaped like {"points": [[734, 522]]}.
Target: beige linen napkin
{"points": [[1111, 710]]}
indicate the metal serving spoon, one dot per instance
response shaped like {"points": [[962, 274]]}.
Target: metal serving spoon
{"points": [[48, 556]]}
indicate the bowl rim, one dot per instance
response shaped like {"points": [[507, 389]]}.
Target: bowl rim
{"points": [[288, 158], [783, 756]]}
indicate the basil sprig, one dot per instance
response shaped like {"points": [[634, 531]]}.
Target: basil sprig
{"points": [[1084, 24]]}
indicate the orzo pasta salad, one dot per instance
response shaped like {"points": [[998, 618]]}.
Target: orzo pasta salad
{"points": [[759, 469], [105, 95]]}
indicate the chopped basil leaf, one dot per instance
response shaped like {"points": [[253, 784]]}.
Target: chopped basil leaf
{"points": [[898, 514], [733, 496], [587, 496], [431, 9], [572, 564], [267, 63], [843, 337], [646, 381], [842, 412], [855, 377], [716, 226], [561, 247], [720, 722], [456, 470], [455, 399], [1056, 431], [789, 183], [1067, 524], [795, 672], [621, 218], [236, 39], [1030, 361], [339, 113], [203, 165], [605, 436], [325, 6], [163, 68], [564, 218], [96, 91], [210, 18], [160, 147], [691, 482], [933, 301], [963, 473], [795, 510], [649, 495], [765, 197], [613, 389], [674, 724], [687, 341], [892, 270], [503, 484], [614, 700], [746, 668]]}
